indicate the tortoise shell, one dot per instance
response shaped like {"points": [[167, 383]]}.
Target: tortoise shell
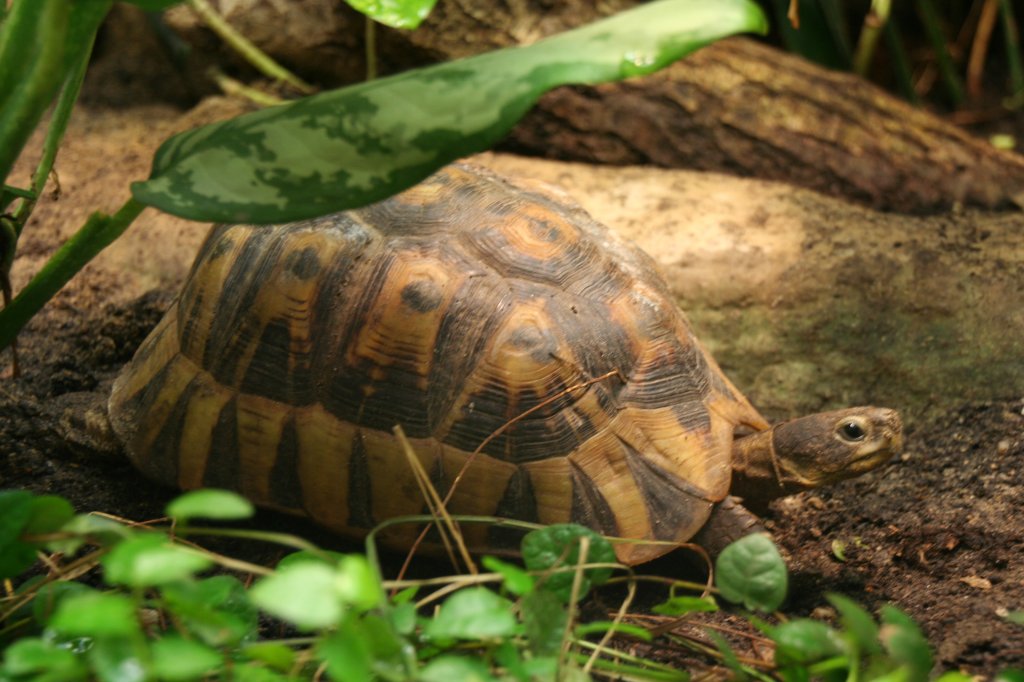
{"points": [[476, 313]]}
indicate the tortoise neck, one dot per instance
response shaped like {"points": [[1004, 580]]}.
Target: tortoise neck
{"points": [[758, 476]]}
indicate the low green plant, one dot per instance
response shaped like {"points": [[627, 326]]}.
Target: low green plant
{"points": [[158, 614]]}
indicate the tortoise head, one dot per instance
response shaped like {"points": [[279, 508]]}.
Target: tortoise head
{"points": [[813, 451]]}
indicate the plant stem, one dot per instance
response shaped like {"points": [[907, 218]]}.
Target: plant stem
{"points": [[55, 132], [874, 24], [1013, 57], [95, 235], [371, 49], [899, 62], [930, 19], [230, 86], [246, 48]]}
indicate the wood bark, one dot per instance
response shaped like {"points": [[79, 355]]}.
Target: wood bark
{"points": [[746, 109]]}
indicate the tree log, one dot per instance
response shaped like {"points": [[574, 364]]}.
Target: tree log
{"points": [[749, 110]]}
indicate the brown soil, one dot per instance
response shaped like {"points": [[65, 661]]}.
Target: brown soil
{"points": [[938, 533]]}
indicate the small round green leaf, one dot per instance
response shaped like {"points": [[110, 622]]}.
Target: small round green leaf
{"points": [[303, 594], [405, 14], [277, 656], [94, 614], [117, 659], [473, 613], [516, 580], [1009, 675], [449, 668], [347, 654], [677, 606], [87, 527], [49, 513], [858, 623], [558, 546], [544, 620], [176, 658], [42, 660], [15, 513], [151, 559], [356, 583], [210, 503], [751, 572], [904, 641], [50, 596], [804, 641], [217, 610]]}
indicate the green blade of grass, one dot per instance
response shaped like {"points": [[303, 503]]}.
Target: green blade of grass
{"points": [[32, 45], [353, 146]]}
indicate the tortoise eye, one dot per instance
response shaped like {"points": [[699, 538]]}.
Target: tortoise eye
{"points": [[852, 431]]}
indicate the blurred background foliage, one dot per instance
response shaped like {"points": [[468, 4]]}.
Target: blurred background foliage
{"points": [[961, 56]]}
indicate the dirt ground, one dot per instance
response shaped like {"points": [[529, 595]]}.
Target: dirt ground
{"points": [[938, 533]]}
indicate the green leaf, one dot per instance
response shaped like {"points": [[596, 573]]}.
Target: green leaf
{"points": [[97, 615], [473, 613], [346, 653], [516, 580], [603, 626], [1008, 675], [677, 606], [954, 676], [302, 593], [49, 513], [751, 572], [86, 527], [176, 658], [356, 583], [1016, 617], [252, 672], [407, 14], [558, 546], [729, 657], [906, 644], [277, 656], [117, 659], [804, 641], [32, 656], [217, 609], [544, 620], [858, 623], [154, 5], [151, 559], [15, 513], [448, 668], [323, 556], [403, 618], [350, 147], [210, 503], [50, 596]]}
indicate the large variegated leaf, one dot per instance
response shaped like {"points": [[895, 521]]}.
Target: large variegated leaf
{"points": [[349, 147]]}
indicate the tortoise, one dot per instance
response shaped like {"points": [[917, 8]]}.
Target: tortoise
{"points": [[480, 314]]}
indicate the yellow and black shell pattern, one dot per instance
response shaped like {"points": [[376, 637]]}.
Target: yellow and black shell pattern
{"points": [[452, 309]]}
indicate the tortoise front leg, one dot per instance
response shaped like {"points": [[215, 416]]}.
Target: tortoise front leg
{"points": [[729, 521]]}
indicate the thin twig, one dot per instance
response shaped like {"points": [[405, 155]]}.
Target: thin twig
{"points": [[243, 46]]}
